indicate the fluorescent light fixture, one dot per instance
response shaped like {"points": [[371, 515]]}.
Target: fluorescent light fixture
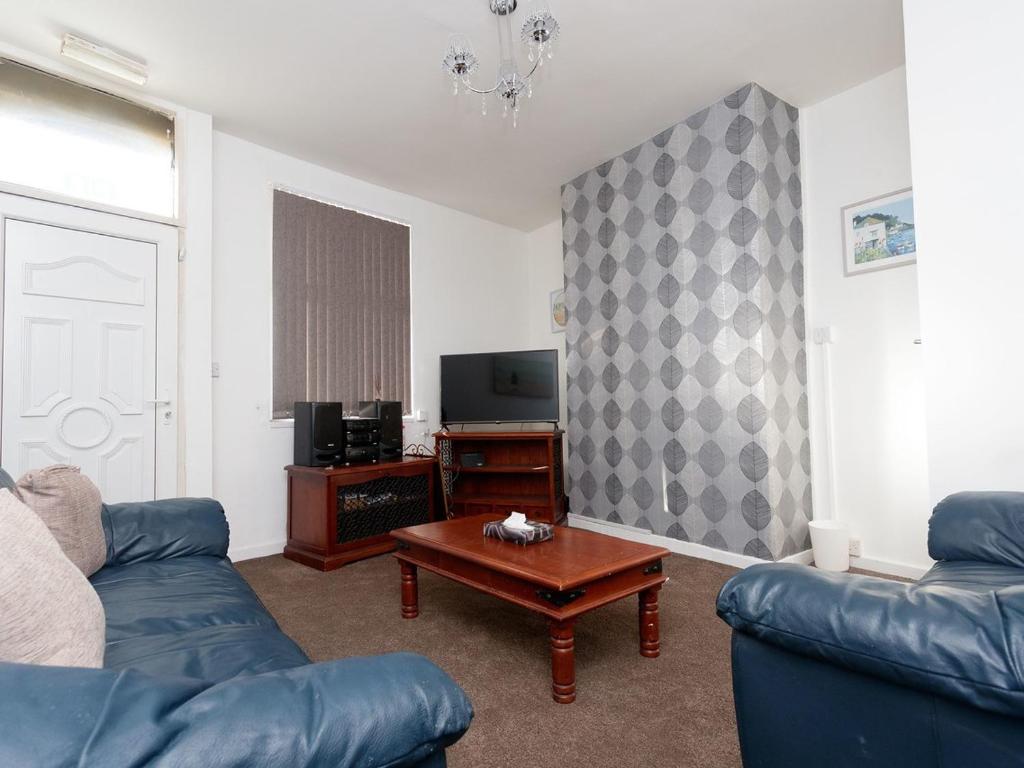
{"points": [[104, 60]]}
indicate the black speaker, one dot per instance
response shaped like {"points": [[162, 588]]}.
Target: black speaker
{"points": [[390, 414], [319, 434]]}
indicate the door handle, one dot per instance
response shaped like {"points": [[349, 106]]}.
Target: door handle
{"points": [[163, 398], [164, 403]]}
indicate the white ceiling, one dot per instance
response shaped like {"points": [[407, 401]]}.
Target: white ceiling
{"points": [[357, 85]]}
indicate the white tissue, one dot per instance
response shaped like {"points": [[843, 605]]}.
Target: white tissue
{"points": [[516, 522]]}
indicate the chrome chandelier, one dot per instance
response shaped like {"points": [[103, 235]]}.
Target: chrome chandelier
{"points": [[539, 32]]}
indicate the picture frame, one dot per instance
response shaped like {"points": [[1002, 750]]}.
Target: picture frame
{"points": [[558, 313], [879, 233]]}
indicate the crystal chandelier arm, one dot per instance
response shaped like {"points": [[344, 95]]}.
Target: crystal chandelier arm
{"points": [[492, 89], [533, 69], [470, 88], [497, 85]]}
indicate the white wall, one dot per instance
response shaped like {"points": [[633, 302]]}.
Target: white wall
{"points": [[856, 145], [964, 68], [544, 254], [470, 290], [194, 140]]}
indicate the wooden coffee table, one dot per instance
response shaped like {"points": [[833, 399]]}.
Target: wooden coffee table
{"points": [[575, 572]]}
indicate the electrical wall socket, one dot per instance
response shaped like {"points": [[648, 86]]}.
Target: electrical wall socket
{"points": [[827, 334], [855, 546]]}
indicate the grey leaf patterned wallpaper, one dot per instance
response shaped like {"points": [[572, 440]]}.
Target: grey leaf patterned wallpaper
{"points": [[686, 362]]}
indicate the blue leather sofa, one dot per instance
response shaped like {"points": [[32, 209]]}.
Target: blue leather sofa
{"points": [[839, 670], [197, 673]]}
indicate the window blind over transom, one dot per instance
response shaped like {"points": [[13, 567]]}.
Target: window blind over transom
{"points": [[62, 137], [341, 305]]}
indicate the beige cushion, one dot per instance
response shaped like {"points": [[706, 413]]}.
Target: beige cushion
{"points": [[49, 612], [70, 505]]}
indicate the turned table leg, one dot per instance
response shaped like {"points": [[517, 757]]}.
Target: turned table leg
{"points": [[563, 662], [650, 642], [410, 595]]}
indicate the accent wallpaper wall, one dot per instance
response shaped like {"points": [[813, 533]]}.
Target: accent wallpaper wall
{"points": [[685, 345]]}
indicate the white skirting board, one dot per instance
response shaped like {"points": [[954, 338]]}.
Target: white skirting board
{"points": [[730, 558], [256, 550], [675, 545], [904, 570]]}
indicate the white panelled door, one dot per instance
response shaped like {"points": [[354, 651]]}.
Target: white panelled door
{"points": [[89, 346]]}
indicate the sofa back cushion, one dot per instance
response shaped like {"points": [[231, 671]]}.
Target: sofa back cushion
{"points": [[49, 612], [6, 481], [982, 526], [70, 505]]}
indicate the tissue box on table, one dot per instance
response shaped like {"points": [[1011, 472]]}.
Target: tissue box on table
{"points": [[534, 533]]}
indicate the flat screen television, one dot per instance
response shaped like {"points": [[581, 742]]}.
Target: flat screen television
{"points": [[495, 387]]}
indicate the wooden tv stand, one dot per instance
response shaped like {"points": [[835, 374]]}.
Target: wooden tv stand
{"points": [[337, 515], [522, 472]]}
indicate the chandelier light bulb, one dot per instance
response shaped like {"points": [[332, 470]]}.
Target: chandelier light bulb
{"points": [[459, 60], [540, 28]]}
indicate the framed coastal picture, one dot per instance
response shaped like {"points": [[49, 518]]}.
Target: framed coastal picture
{"points": [[559, 315], [879, 233]]}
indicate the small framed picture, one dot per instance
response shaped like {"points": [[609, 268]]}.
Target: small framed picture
{"points": [[879, 233], [559, 314]]}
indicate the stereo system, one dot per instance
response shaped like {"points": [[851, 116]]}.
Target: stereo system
{"points": [[389, 413], [324, 437], [362, 440]]}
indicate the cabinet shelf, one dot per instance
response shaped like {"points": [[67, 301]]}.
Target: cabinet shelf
{"points": [[521, 470], [527, 500], [529, 469]]}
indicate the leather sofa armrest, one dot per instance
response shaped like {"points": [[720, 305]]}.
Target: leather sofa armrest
{"points": [[392, 710], [986, 527], [157, 530], [964, 645], [395, 710]]}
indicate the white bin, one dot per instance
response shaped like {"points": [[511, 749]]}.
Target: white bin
{"points": [[830, 541]]}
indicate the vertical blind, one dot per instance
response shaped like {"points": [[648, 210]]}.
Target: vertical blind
{"points": [[341, 305]]}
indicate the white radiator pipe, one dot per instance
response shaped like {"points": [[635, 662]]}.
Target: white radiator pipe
{"points": [[825, 338]]}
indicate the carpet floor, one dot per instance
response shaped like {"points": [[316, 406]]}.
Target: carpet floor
{"points": [[675, 710]]}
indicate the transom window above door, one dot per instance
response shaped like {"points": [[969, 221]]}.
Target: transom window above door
{"points": [[64, 138]]}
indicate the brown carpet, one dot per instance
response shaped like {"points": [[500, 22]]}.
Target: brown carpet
{"points": [[675, 710]]}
